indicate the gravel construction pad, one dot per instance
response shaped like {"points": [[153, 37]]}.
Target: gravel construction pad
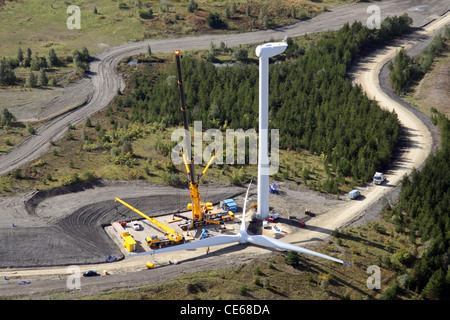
{"points": [[70, 225]]}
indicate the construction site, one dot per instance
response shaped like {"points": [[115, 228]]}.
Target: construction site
{"points": [[107, 231], [108, 225], [202, 219]]}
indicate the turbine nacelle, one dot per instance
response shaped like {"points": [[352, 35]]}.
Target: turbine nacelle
{"points": [[270, 49]]}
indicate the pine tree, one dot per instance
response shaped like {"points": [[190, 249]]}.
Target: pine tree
{"points": [[29, 53], [7, 75], [19, 55], [42, 78], [192, 6], [7, 117], [435, 286], [35, 63], [31, 80], [52, 59]]}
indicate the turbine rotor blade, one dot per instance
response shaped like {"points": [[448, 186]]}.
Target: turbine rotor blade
{"points": [[243, 227], [274, 243], [208, 242]]}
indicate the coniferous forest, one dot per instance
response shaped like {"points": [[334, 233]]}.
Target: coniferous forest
{"points": [[423, 213], [312, 101]]}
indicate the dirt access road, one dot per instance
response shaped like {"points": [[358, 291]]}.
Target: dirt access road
{"points": [[94, 92], [318, 228]]}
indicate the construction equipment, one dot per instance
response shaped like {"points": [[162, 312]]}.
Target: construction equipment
{"points": [[378, 178], [128, 242], [273, 217], [171, 236], [204, 234], [229, 205], [200, 210]]}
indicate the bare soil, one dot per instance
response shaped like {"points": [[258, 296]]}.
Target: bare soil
{"points": [[434, 89]]}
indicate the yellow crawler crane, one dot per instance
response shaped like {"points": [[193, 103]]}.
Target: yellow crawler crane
{"points": [[200, 210], [172, 237]]}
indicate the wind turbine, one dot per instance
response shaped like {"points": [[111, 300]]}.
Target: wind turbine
{"points": [[264, 52], [242, 237]]}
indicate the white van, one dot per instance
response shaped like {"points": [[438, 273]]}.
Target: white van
{"points": [[354, 194]]}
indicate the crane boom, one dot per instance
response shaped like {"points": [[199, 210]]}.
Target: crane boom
{"points": [[200, 210], [190, 163], [171, 234], [197, 212]]}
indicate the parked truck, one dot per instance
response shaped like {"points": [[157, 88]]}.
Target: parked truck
{"points": [[229, 205], [378, 178]]}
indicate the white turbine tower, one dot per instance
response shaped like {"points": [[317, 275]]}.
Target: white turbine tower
{"points": [[264, 52], [242, 237]]}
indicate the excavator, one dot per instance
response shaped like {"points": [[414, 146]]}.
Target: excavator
{"points": [[201, 212]]}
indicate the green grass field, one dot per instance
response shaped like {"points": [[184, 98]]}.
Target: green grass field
{"points": [[42, 25]]}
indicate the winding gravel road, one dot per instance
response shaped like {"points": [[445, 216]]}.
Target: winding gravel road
{"points": [[99, 88]]}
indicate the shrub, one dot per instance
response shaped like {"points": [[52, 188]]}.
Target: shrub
{"points": [[146, 14], [17, 174], [127, 147], [71, 179], [88, 175], [70, 136], [30, 129], [240, 54], [123, 6], [293, 259], [213, 20], [243, 291], [192, 6]]}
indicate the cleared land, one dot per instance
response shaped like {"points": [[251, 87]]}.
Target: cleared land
{"points": [[433, 91]]}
